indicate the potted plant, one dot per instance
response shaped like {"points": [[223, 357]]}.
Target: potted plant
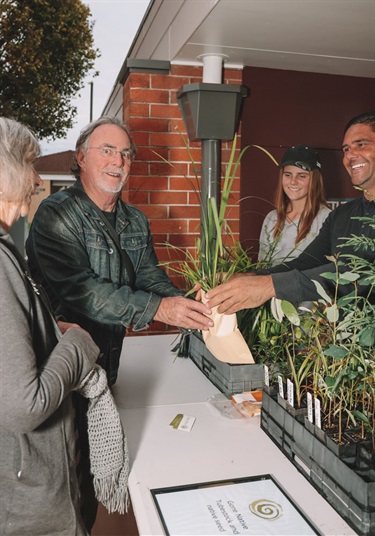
{"points": [[335, 358]]}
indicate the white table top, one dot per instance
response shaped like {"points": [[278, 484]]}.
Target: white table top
{"points": [[152, 388]]}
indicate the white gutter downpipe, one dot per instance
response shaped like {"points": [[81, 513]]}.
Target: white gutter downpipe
{"points": [[212, 68]]}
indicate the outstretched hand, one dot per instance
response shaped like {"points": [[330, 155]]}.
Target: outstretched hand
{"points": [[242, 291], [184, 313]]}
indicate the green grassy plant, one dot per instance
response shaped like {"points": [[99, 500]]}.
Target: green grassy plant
{"points": [[217, 254]]}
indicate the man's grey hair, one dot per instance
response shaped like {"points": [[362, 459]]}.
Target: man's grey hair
{"points": [[19, 149], [86, 133]]}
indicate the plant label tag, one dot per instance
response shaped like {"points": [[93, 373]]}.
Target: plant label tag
{"points": [[186, 423], [290, 392], [310, 412], [318, 420], [281, 386], [266, 376]]}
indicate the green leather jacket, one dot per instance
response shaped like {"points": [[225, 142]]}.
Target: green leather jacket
{"points": [[71, 253]]}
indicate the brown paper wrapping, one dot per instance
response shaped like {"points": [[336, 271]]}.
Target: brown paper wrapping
{"points": [[225, 341]]}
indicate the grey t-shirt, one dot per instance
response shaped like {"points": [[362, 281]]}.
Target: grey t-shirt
{"points": [[283, 247]]}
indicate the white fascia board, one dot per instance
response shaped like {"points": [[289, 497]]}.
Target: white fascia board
{"points": [[115, 103], [191, 15], [170, 28]]}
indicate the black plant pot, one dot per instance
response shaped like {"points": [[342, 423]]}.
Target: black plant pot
{"points": [[309, 425], [346, 449], [320, 434], [298, 413], [271, 390]]}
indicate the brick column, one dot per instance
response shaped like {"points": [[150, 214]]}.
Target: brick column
{"points": [[163, 191]]}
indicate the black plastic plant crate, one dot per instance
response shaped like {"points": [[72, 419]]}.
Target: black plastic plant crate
{"points": [[349, 492], [229, 379]]}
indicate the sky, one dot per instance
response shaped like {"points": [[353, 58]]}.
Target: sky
{"points": [[116, 23]]}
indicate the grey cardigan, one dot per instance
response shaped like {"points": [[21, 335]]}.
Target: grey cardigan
{"points": [[39, 490]]}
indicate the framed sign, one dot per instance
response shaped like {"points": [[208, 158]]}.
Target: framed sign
{"points": [[253, 505]]}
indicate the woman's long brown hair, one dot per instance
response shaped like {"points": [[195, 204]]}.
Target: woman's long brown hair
{"points": [[314, 200]]}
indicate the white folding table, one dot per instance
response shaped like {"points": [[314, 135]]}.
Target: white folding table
{"points": [[152, 388]]}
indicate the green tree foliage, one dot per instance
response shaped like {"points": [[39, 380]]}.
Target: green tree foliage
{"points": [[46, 50]]}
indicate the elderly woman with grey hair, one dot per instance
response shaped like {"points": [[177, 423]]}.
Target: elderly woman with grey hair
{"points": [[41, 363]]}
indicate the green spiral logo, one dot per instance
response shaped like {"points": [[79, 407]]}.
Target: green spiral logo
{"points": [[266, 509]]}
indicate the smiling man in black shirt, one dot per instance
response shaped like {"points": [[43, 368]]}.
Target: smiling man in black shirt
{"points": [[293, 280]]}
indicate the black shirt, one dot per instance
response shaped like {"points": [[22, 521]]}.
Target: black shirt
{"points": [[293, 280]]}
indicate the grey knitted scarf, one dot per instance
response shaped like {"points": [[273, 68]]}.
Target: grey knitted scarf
{"points": [[109, 458]]}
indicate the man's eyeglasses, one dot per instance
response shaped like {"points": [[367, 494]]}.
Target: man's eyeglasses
{"points": [[127, 155]]}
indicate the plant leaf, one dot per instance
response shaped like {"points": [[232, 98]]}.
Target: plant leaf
{"points": [[361, 416], [367, 336], [329, 275], [349, 276], [276, 309], [267, 153], [290, 312], [321, 291], [332, 312], [337, 352]]}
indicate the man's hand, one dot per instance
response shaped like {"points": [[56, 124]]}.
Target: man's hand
{"points": [[242, 291], [198, 292], [184, 313]]}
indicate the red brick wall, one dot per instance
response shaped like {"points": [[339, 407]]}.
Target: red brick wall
{"points": [[160, 190]]}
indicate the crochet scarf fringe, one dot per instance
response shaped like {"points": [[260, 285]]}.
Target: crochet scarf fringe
{"points": [[109, 458], [112, 492]]}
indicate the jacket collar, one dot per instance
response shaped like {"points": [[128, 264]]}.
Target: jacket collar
{"points": [[123, 210]]}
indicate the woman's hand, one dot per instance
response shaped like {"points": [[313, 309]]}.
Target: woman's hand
{"points": [[66, 326]]}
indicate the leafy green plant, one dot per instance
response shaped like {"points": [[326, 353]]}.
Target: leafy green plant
{"points": [[298, 363], [330, 349], [338, 338], [267, 338]]}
